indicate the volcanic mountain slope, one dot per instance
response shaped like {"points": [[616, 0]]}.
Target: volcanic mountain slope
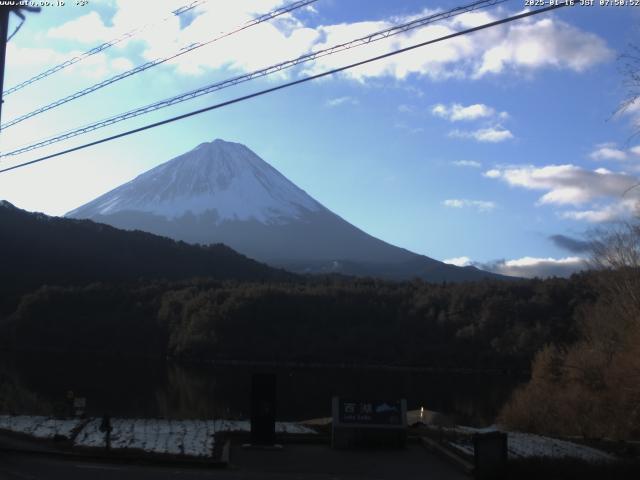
{"points": [[222, 192]]}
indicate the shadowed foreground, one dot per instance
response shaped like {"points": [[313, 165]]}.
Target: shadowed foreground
{"points": [[294, 461]]}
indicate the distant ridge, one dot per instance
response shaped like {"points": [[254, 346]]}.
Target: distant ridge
{"points": [[38, 249]]}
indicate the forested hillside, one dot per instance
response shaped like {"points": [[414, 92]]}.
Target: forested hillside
{"points": [[486, 324], [41, 250]]}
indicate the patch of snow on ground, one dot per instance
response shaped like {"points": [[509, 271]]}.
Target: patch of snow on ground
{"points": [[174, 437], [525, 445], [290, 427], [245, 426], [39, 426], [90, 435], [529, 445]]}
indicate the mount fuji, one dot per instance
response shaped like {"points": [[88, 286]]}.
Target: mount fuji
{"points": [[222, 192]]}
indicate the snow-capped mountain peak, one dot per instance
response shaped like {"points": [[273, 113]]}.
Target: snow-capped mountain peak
{"points": [[223, 178], [222, 192]]}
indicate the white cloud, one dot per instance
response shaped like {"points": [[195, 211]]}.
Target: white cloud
{"points": [[405, 108], [480, 205], [336, 102], [565, 184], [121, 64], [528, 45], [492, 135], [26, 62], [88, 28], [515, 47], [487, 135], [526, 267], [285, 36], [606, 213], [467, 163], [607, 195], [456, 112], [610, 151], [491, 51], [530, 267], [458, 261]]}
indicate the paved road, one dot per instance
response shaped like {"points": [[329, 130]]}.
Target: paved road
{"points": [[305, 462]]}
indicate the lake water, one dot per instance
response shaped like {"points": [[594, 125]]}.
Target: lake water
{"points": [[33, 384]]}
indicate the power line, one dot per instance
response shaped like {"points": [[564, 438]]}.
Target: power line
{"points": [[289, 84], [379, 35], [101, 47], [160, 60]]}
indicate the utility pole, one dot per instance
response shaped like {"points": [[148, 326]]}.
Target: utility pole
{"points": [[4, 31], [4, 34]]}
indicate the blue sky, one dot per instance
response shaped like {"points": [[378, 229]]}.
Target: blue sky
{"points": [[478, 149]]}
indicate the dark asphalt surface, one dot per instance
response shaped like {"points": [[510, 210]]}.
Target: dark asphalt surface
{"points": [[315, 462]]}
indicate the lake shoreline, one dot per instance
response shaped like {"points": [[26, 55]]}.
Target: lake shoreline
{"points": [[187, 362]]}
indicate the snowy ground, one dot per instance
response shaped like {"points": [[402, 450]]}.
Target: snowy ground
{"points": [[39, 426], [245, 426], [524, 445], [176, 437]]}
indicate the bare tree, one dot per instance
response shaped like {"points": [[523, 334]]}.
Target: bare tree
{"points": [[630, 71]]}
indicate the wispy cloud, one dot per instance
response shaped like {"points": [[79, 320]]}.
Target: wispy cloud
{"points": [[466, 163], [606, 213], [479, 205], [485, 135], [573, 245], [408, 128], [610, 151], [336, 102], [457, 112]]}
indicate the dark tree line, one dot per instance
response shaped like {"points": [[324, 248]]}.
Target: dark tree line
{"points": [[77, 286], [488, 324], [41, 250]]}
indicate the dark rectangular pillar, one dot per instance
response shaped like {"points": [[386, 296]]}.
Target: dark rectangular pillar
{"points": [[263, 409]]}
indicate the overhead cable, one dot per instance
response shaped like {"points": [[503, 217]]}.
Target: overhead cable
{"points": [[373, 37], [157, 61], [100, 48], [289, 84]]}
